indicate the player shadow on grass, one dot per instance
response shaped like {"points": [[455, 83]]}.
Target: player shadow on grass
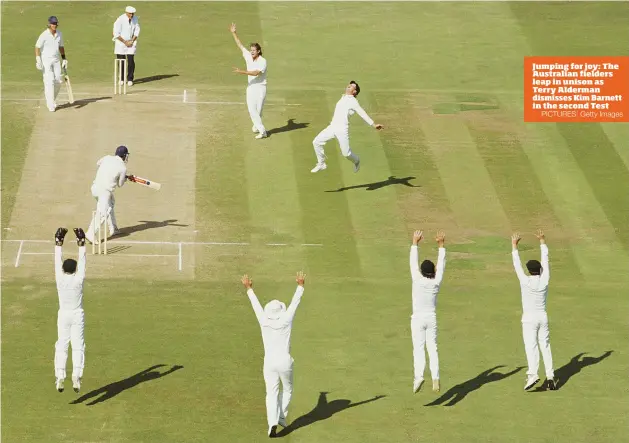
{"points": [[460, 391], [323, 410], [153, 78], [115, 388], [573, 367], [128, 230], [289, 126], [392, 180], [82, 102]]}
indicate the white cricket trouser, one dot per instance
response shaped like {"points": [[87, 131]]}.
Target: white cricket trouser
{"points": [[255, 102], [52, 80], [341, 134], [105, 202], [70, 329], [276, 369], [537, 335], [424, 335]]}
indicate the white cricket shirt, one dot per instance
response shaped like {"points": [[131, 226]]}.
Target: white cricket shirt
{"points": [[127, 29], [112, 172], [346, 106], [70, 286], [534, 287], [49, 45], [276, 332], [425, 290], [258, 64]]}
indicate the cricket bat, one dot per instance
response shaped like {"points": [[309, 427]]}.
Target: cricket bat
{"points": [[66, 78], [144, 181]]}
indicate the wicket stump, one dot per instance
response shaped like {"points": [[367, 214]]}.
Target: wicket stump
{"points": [[102, 224], [120, 67]]}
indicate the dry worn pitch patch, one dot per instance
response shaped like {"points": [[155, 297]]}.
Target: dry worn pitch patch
{"points": [[60, 167]]}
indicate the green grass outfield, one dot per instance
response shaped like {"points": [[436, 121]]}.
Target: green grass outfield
{"points": [[445, 79]]}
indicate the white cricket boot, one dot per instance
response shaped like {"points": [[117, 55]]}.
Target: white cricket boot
{"points": [[254, 130], [530, 382], [319, 167], [417, 385], [262, 135], [76, 384], [59, 384]]}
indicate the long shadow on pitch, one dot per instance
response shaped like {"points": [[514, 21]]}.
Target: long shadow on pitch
{"points": [[289, 126], [82, 102], [128, 230], [460, 391], [323, 410], [113, 389], [153, 78], [392, 180], [573, 367]]}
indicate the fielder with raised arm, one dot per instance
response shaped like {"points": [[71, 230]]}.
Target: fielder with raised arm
{"points": [[256, 76], [534, 317], [276, 322], [111, 173], [48, 48], [69, 276], [426, 284], [339, 128]]}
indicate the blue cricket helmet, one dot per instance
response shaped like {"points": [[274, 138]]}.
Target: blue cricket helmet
{"points": [[52, 20], [122, 152]]}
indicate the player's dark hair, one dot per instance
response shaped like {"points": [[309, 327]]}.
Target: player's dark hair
{"points": [[69, 266], [534, 267], [257, 46], [357, 87], [428, 269]]}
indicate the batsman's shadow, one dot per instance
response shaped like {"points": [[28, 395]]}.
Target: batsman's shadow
{"points": [[323, 410], [144, 225], [82, 102], [115, 388], [289, 126]]}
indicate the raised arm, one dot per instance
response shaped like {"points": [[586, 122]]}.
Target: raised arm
{"points": [[59, 237], [255, 303], [292, 308], [414, 258], [441, 258], [80, 241], [544, 259], [232, 29], [517, 264]]}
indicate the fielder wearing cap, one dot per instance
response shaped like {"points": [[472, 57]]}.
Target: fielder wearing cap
{"points": [[69, 276], [535, 332], [276, 323], [111, 173], [426, 284], [50, 58], [126, 33]]}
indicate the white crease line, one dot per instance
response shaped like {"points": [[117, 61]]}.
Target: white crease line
{"points": [[187, 102], [19, 252], [38, 253], [143, 255], [140, 242], [180, 257]]}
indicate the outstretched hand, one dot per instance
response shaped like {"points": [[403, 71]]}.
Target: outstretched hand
{"points": [[441, 238], [80, 236], [417, 237], [60, 235], [515, 239], [246, 281], [378, 126], [232, 28], [540, 236], [301, 278]]}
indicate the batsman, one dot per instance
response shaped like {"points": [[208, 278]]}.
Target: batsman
{"points": [[111, 173]]}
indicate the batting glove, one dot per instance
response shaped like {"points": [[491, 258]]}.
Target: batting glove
{"points": [[64, 64], [80, 236], [60, 235]]}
